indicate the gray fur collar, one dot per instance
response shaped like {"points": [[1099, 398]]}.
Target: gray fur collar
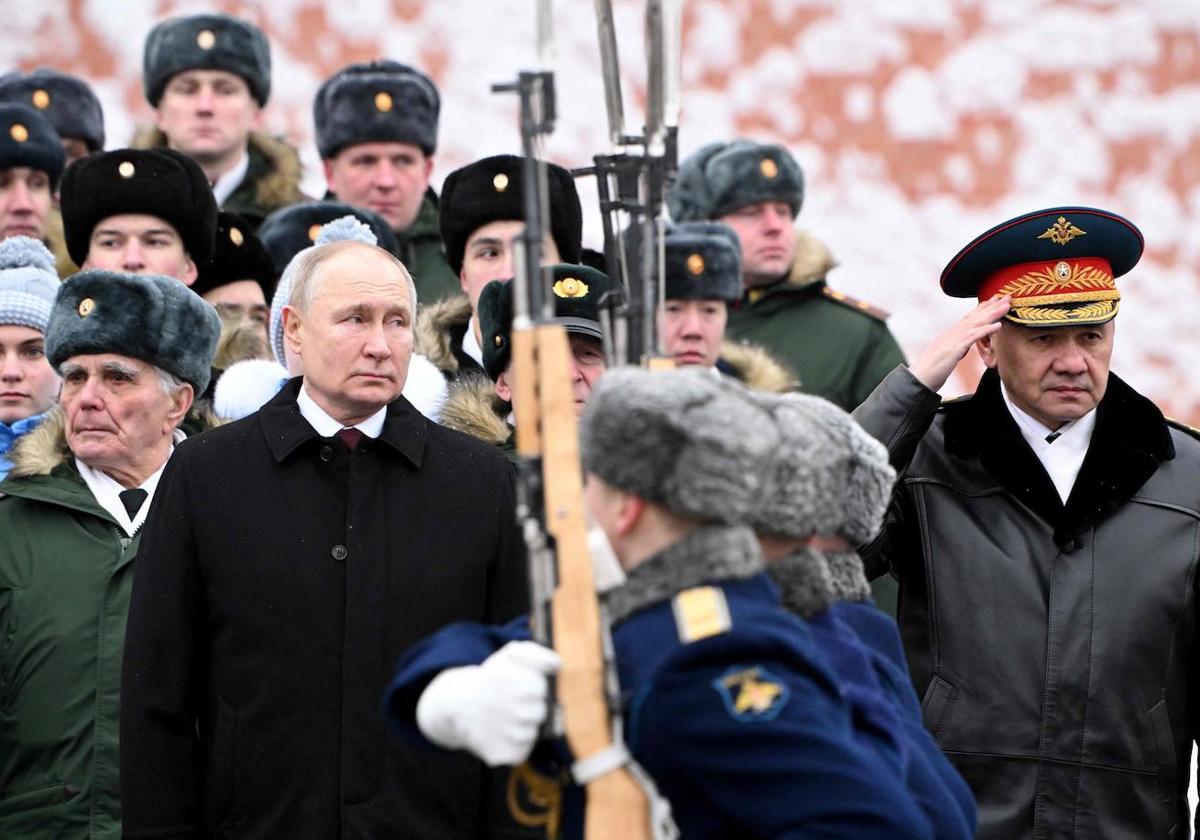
{"points": [[846, 575], [709, 554], [432, 334], [804, 582]]}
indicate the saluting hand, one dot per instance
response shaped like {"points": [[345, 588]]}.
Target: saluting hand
{"points": [[939, 358]]}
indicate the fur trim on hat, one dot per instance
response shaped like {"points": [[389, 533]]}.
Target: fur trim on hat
{"points": [[813, 260], [757, 369], [846, 576], [804, 583], [473, 407], [247, 386], [432, 336], [425, 387]]}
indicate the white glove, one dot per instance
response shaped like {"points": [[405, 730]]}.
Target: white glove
{"points": [[493, 710]]}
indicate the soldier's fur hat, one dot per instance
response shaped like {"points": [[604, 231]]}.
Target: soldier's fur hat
{"points": [[28, 139], [206, 42], [67, 101], [289, 230], [704, 262], [155, 319], [684, 439], [376, 102], [238, 255], [721, 177]]}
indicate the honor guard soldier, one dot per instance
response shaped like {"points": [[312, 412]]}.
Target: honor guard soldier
{"points": [[376, 130], [66, 101], [1044, 536], [208, 77], [31, 161], [481, 212], [239, 281]]}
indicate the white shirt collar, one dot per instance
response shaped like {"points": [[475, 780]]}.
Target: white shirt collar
{"points": [[107, 490], [326, 426], [1063, 458], [228, 182], [470, 344]]}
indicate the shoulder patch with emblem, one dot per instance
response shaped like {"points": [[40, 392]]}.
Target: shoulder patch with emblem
{"points": [[751, 693], [855, 304], [701, 612]]}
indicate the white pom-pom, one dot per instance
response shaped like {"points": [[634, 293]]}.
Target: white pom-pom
{"points": [[425, 387], [345, 228], [25, 252], [246, 387]]}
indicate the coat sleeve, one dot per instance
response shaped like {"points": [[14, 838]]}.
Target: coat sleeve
{"points": [[161, 694], [881, 354]]}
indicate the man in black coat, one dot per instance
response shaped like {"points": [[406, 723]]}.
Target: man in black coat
{"points": [[288, 560]]}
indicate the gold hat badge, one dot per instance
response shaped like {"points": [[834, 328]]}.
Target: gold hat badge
{"points": [[235, 236], [19, 132], [500, 182], [41, 99], [695, 264], [126, 169], [312, 232], [768, 168], [571, 287], [383, 102], [1062, 232], [205, 39], [86, 306]]}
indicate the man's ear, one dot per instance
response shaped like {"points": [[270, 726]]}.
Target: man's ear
{"points": [[181, 401], [291, 328], [987, 349], [629, 512], [504, 388], [190, 272]]}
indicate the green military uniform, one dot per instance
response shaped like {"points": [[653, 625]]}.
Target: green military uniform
{"points": [[422, 253]]}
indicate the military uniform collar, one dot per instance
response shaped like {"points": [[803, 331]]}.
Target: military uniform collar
{"points": [[709, 554]]}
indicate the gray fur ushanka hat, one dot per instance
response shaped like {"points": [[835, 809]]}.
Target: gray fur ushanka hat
{"points": [[376, 102], [680, 439], [206, 42], [703, 262], [144, 316], [28, 139], [67, 101], [721, 177]]}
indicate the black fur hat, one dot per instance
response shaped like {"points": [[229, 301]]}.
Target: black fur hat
{"points": [[28, 139], [703, 261], [289, 230], [238, 255], [376, 102], [156, 319], [68, 102], [206, 42], [493, 189], [156, 182]]}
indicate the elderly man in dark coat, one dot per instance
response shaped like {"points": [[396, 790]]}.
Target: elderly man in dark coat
{"points": [[292, 556]]}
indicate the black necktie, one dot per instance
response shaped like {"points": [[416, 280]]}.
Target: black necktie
{"points": [[1053, 436], [133, 500], [350, 437]]}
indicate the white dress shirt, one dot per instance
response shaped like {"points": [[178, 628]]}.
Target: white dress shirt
{"points": [[470, 344], [227, 183], [1063, 456], [107, 490], [326, 426]]}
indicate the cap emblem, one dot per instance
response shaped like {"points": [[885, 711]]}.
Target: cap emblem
{"points": [[1063, 270], [1062, 232], [498, 339], [126, 169], [571, 287], [19, 132], [500, 182], [235, 236], [41, 99], [695, 264], [86, 306], [205, 39], [312, 232], [383, 102], [768, 168]]}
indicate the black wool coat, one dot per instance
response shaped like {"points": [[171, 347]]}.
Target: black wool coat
{"points": [[280, 576]]}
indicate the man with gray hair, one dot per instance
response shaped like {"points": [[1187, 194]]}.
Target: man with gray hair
{"points": [[262, 634], [71, 514]]}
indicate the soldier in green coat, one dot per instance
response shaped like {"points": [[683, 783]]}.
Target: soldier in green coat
{"points": [[71, 511]]}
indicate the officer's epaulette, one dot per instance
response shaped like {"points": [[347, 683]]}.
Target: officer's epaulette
{"points": [[701, 612], [954, 400], [1183, 427], [855, 304]]}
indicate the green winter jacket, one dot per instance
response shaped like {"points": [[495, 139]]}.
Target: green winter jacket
{"points": [[66, 572], [423, 255]]}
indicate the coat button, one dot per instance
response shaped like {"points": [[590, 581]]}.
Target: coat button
{"points": [[339, 552], [1069, 546], [326, 453]]}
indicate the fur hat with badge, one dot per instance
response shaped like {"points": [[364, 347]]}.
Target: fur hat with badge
{"points": [[144, 316], [289, 230], [721, 177], [238, 255], [376, 102], [492, 190], [703, 262], [28, 139], [206, 42], [67, 101], [154, 182], [28, 283]]}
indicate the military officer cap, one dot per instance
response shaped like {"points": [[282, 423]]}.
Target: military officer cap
{"points": [[155, 319], [376, 102], [157, 182], [1059, 265], [289, 230], [28, 139], [721, 177], [68, 102], [703, 262], [578, 292], [678, 438], [237, 255], [206, 42], [493, 189]]}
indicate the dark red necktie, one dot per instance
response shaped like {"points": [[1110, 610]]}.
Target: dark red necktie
{"points": [[350, 437]]}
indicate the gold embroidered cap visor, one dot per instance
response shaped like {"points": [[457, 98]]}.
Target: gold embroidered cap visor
{"points": [[1059, 265]]}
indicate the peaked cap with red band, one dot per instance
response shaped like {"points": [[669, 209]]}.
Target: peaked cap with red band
{"points": [[1058, 265]]}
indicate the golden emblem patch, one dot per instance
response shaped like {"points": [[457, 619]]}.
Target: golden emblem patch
{"points": [[86, 306], [126, 169], [235, 236], [1062, 232], [498, 339], [19, 132], [768, 168], [383, 102], [571, 287], [695, 264], [41, 99], [701, 612], [206, 39], [751, 694], [500, 182], [312, 232]]}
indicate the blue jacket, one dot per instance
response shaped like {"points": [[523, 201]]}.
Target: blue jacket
{"points": [[9, 434]]}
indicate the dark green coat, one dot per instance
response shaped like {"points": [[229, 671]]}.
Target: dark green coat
{"points": [[422, 253], [66, 572]]}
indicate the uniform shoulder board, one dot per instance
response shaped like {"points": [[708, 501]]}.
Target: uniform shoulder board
{"points": [[1184, 427], [955, 400], [855, 304], [701, 612]]}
